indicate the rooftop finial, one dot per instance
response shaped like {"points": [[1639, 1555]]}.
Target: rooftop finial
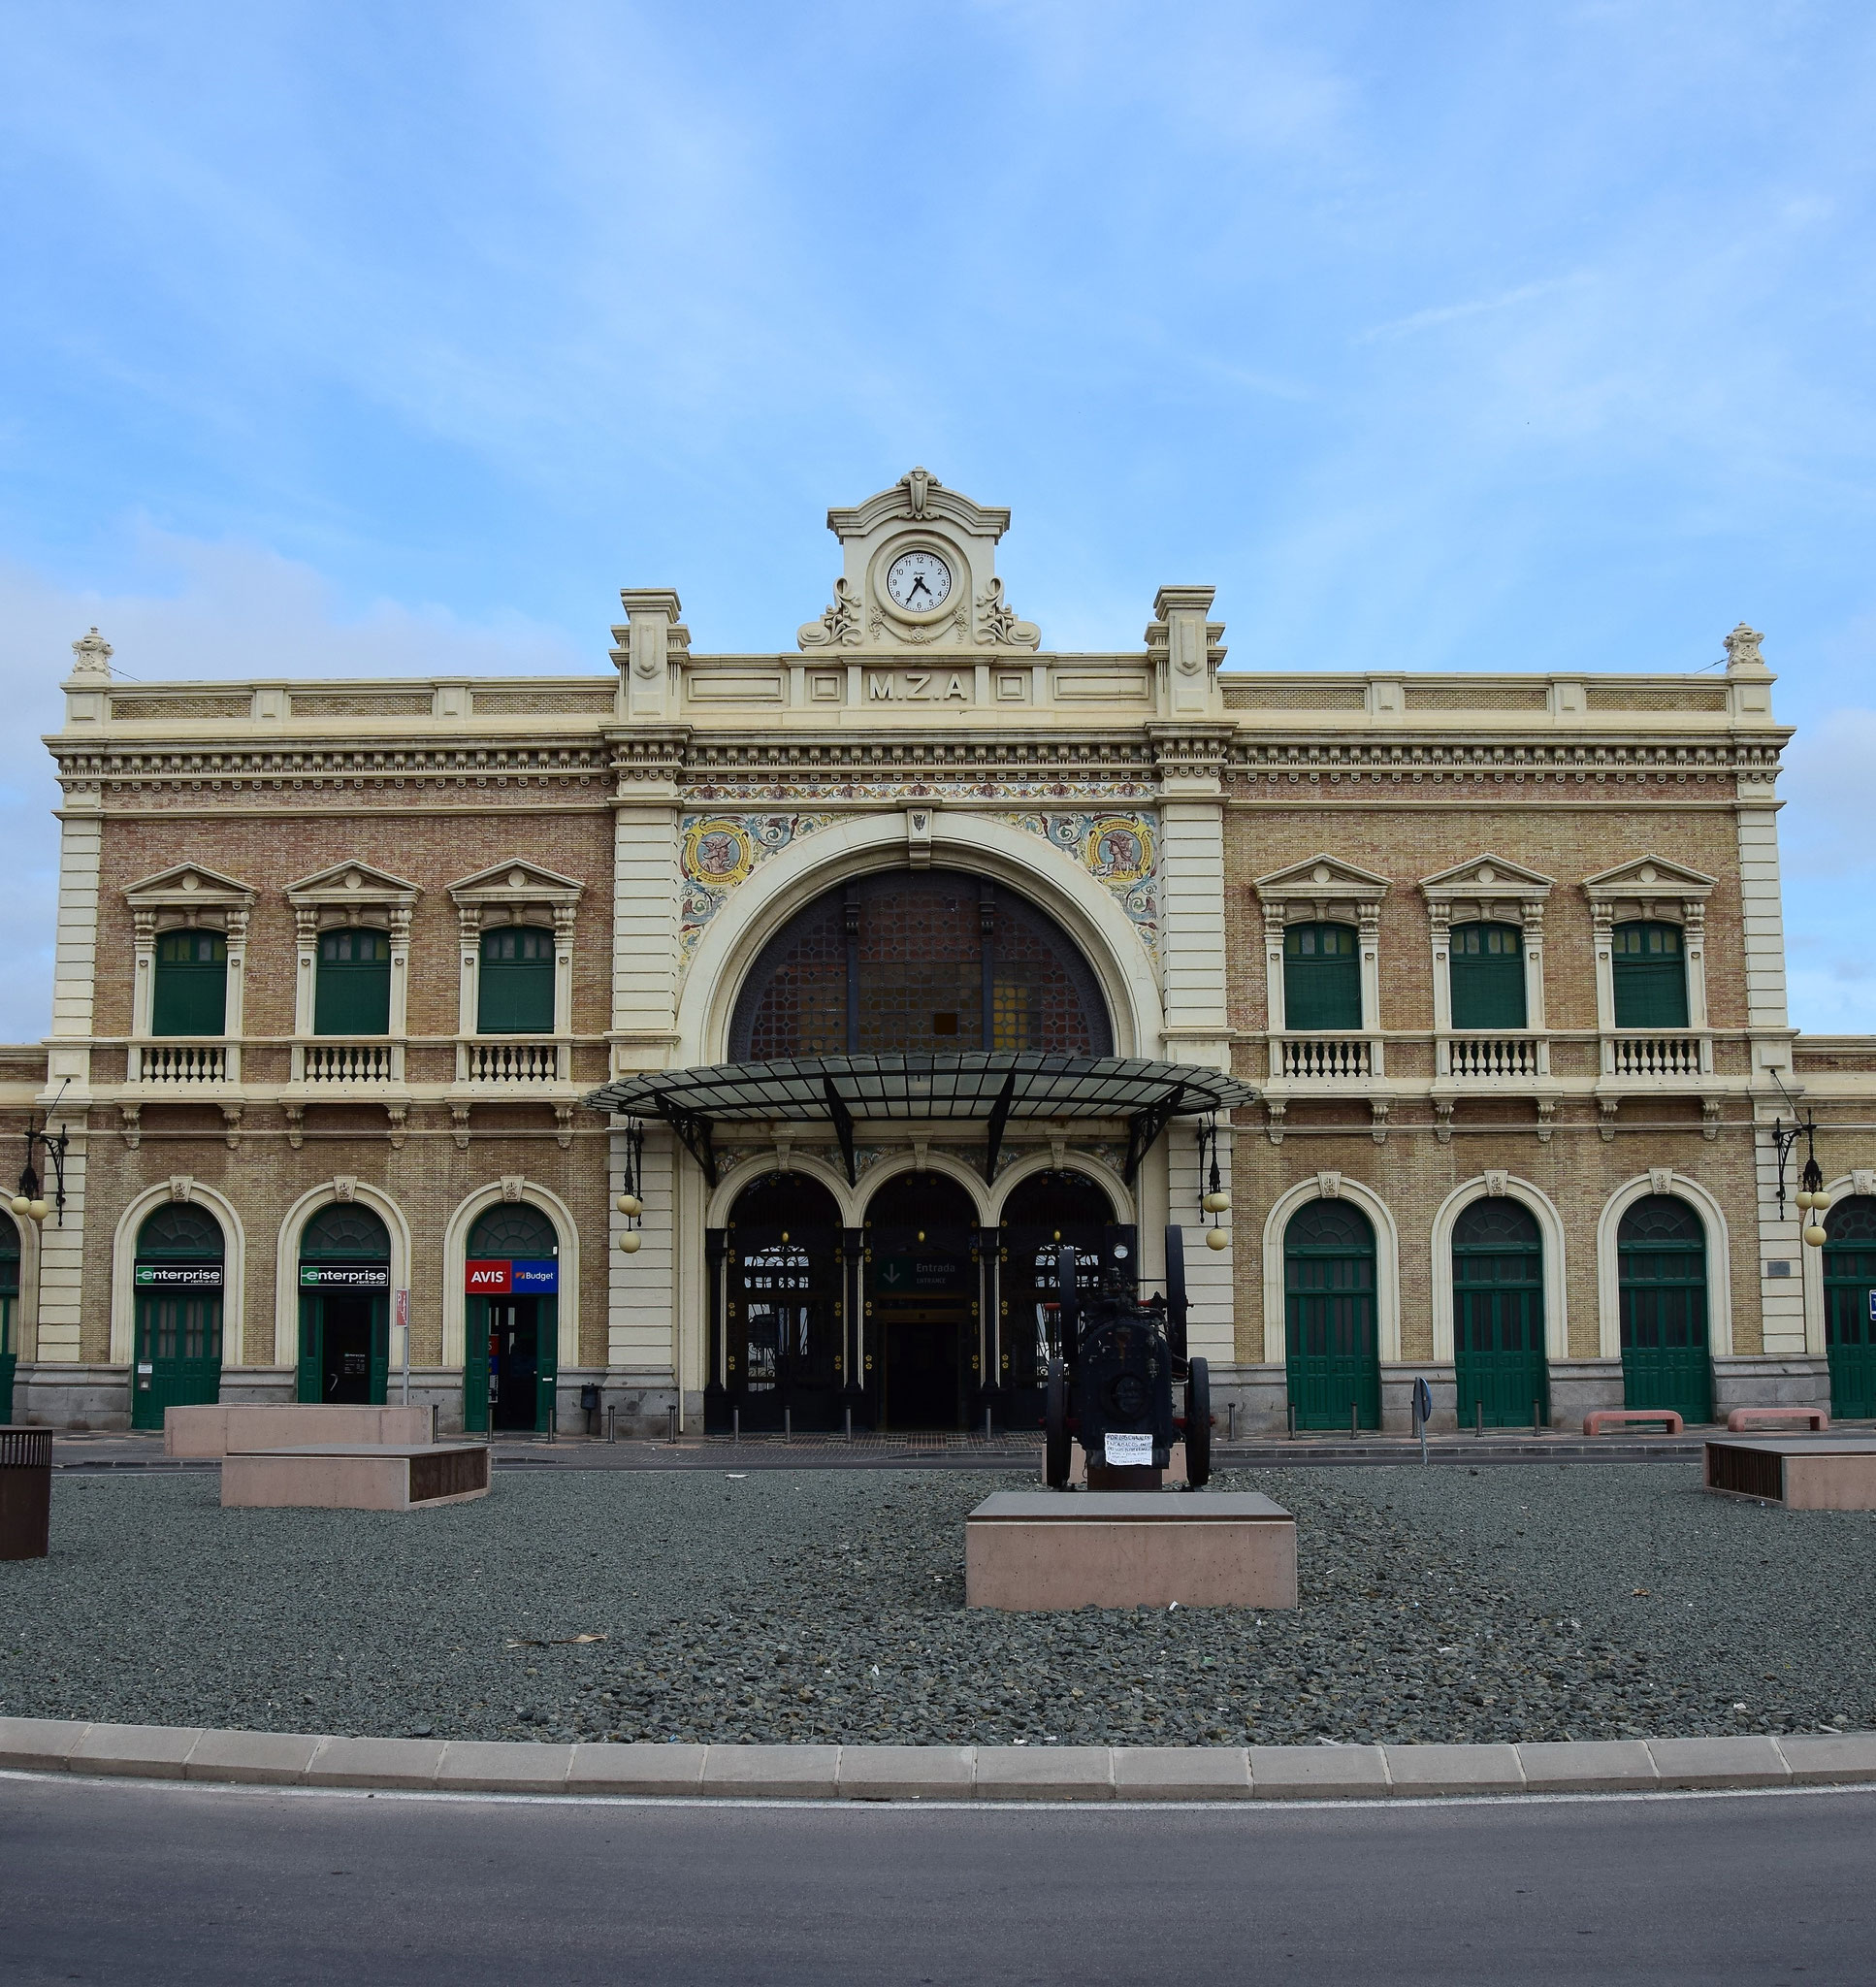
{"points": [[1742, 652], [91, 655], [918, 485]]}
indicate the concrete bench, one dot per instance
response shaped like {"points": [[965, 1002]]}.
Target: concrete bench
{"points": [[1627, 1417], [237, 1427], [1743, 1418], [1802, 1471], [360, 1476]]}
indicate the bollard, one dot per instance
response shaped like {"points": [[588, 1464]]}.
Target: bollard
{"points": [[672, 1412], [850, 1424], [1292, 1421], [612, 1422], [787, 1424], [986, 1424], [1231, 1421], [1537, 1417], [1355, 1408], [735, 1424], [1478, 1415]]}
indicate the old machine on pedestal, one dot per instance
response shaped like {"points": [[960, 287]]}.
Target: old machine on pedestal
{"points": [[1115, 1360]]}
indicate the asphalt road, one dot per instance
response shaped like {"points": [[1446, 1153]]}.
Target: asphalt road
{"points": [[117, 1882]]}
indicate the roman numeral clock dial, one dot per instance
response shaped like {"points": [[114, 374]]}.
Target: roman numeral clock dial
{"points": [[917, 582]]}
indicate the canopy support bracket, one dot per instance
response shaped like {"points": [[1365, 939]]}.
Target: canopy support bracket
{"points": [[842, 1121], [999, 1117], [695, 1130], [1145, 1126]]}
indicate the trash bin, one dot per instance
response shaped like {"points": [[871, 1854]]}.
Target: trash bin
{"points": [[25, 1492]]}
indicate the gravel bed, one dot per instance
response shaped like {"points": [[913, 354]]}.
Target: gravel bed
{"points": [[1529, 1603]]}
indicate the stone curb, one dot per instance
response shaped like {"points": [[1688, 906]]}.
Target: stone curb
{"points": [[937, 1772]]}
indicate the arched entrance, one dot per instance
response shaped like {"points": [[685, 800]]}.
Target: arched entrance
{"points": [[511, 1321], [783, 1360], [921, 1302], [1332, 1354], [1661, 1251], [9, 1312], [344, 1306], [178, 1279], [1498, 1272], [1042, 1213], [1849, 1292]]}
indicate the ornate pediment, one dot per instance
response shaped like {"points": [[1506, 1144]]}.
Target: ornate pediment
{"points": [[351, 883], [191, 893], [1323, 887], [1649, 876], [918, 574], [516, 892], [1488, 876]]}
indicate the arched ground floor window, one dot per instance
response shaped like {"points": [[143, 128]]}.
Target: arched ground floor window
{"points": [[1848, 1294], [1660, 1249], [922, 1303], [344, 1306], [785, 1269], [1498, 1272], [1043, 1212], [178, 1279], [1333, 1354]]}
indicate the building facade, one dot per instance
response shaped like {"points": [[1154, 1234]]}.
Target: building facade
{"points": [[1495, 960]]}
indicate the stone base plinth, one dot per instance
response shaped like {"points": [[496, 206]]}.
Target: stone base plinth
{"points": [[358, 1477], [1805, 1472], [235, 1428], [1029, 1552]]}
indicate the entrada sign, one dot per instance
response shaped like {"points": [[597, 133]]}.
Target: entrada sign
{"points": [[178, 1276], [332, 1276], [489, 1278]]}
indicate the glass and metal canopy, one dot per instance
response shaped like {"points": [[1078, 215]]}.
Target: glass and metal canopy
{"points": [[994, 1085]]}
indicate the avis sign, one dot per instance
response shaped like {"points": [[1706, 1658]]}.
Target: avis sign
{"points": [[490, 1278]]}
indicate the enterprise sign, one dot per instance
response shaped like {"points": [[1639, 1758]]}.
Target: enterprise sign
{"points": [[178, 1276], [334, 1276], [492, 1279]]}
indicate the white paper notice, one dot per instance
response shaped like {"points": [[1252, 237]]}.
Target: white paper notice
{"points": [[1130, 1449]]}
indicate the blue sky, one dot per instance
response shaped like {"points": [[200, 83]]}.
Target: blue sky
{"points": [[360, 339]]}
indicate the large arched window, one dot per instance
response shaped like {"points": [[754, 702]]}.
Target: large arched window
{"points": [[1486, 964], [919, 960], [1650, 967], [177, 1276], [353, 995], [190, 997], [511, 1320], [1333, 1346], [1849, 1290], [1498, 1315], [782, 1351], [1660, 1249], [516, 995], [344, 1306], [1322, 977]]}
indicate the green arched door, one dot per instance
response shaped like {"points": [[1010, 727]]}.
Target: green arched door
{"points": [[511, 1321], [1332, 1349], [1498, 1316], [1661, 1249], [177, 1276], [1850, 1306], [344, 1306], [9, 1312]]}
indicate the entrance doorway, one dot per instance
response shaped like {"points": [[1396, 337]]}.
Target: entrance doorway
{"points": [[512, 1322], [344, 1307], [921, 1302], [783, 1365], [1850, 1306], [9, 1304], [1498, 1316], [178, 1276], [1334, 1356], [1041, 1214], [1661, 1251]]}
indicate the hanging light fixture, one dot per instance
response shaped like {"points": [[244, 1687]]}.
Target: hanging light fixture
{"points": [[630, 1203], [1215, 1201], [30, 1203]]}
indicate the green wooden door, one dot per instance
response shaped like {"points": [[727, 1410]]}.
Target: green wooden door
{"points": [[1333, 1354], [1662, 1252], [1498, 1316], [475, 1365], [1650, 968], [516, 992], [309, 1384], [353, 995], [1486, 965], [1849, 1284], [177, 1280], [1322, 977], [381, 1376], [9, 1312], [547, 1361], [190, 997]]}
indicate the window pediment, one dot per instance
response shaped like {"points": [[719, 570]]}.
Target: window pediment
{"points": [[1321, 890], [1649, 886], [516, 892], [352, 894], [1486, 890], [191, 893]]}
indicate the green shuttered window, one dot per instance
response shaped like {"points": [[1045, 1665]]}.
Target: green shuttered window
{"points": [[353, 992], [1487, 966], [1650, 977], [1322, 977], [191, 992], [517, 988]]}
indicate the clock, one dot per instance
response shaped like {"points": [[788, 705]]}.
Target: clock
{"points": [[919, 582]]}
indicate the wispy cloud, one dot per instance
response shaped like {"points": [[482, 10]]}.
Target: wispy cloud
{"points": [[1477, 307]]}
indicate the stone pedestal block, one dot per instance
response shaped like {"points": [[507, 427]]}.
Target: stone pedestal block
{"points": [[358, 1477], [235, 1428], [1805, 1472], [1035, 1551]]}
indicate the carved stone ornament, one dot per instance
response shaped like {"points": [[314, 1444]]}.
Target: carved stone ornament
{"points": [[1328, 1186], [181, 1187], [91, 655], [1741, 645], [1864, 1179], [997, 625], [840, 625], [1661, 1178], [514, 1184], [1495, 1182], [345, 1187]]}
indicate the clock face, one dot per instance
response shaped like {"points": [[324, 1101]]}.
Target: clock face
{"points": [[919, 582]]}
